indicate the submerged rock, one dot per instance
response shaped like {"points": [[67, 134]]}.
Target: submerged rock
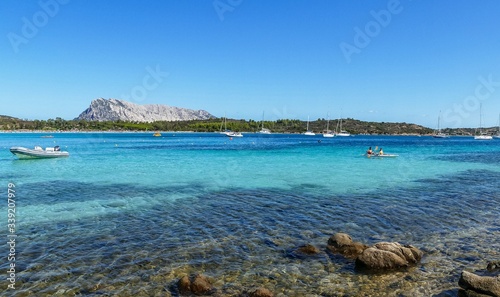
{"points": [[493, 265], [261, 292], [342, 243], [469, 293], [308, 249], [340, 239], [485, 285], [195, 284], [388, 255]]}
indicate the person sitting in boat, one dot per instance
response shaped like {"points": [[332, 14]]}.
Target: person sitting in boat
{"points": [[57, 148], [369, 151], [380, 152]]}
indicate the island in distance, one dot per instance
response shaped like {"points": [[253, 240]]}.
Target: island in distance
{"points": [[120, 110]]}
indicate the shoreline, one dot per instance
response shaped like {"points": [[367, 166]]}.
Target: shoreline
{"points": [[48, 133]]}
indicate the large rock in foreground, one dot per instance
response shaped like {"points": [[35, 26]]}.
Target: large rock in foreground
{"points": [[486, 285], [383, 255], [388, 255], [120, 110]]}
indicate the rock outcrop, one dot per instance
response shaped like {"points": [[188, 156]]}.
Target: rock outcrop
{"points": [[342, 243], [115, 110], [381, 256], [388, 255], [475, 284]]}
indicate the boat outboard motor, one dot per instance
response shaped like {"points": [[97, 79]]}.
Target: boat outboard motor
{"points": [[57, 148]]}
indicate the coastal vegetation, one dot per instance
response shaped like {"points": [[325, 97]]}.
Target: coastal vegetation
{"points": [[216, 124]]}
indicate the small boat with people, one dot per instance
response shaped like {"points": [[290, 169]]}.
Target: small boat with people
{"points": [[38, 152], [383, 156], [378, 153]]}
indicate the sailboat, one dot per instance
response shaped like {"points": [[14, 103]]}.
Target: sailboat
{"points": [[234, 134], [264, 130], [223, 123], [498, 133], [328, 133], [342, 133], [228, 132], [439, 134], [308, 132], [482, 135]]}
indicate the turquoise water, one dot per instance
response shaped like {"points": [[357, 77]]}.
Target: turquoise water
{"points": [[129, 214]]}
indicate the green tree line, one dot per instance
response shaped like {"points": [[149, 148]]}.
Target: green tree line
{"points": [[212, 125]]}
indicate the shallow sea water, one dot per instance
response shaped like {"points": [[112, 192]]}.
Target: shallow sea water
{"points": [[129, 214]]}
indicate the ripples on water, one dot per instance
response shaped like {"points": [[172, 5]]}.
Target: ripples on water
{"points": [[482, 157], [241, 238]]}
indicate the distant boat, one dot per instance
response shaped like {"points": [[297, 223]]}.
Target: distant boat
{"points": [[223, 123], [328, 133], [342, 133], [308, 132], [47, 136], [38, 152], [157, 134], [482, 135], [264, 130], [438, 133], [234, 134], [498, 133]]}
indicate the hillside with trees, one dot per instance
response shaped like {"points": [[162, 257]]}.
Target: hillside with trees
{"points": [[212, 125]]}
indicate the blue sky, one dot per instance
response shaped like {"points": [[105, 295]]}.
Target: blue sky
{"points": [[384, 61]]}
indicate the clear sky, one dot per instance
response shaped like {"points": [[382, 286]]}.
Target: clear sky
{"points": [[383, 61]]}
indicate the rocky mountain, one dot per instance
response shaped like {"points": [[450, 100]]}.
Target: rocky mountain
{"points": [[4, 117], [114, 110]]}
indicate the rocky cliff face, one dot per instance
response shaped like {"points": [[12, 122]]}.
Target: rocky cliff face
{"points": [[114, 110]]}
